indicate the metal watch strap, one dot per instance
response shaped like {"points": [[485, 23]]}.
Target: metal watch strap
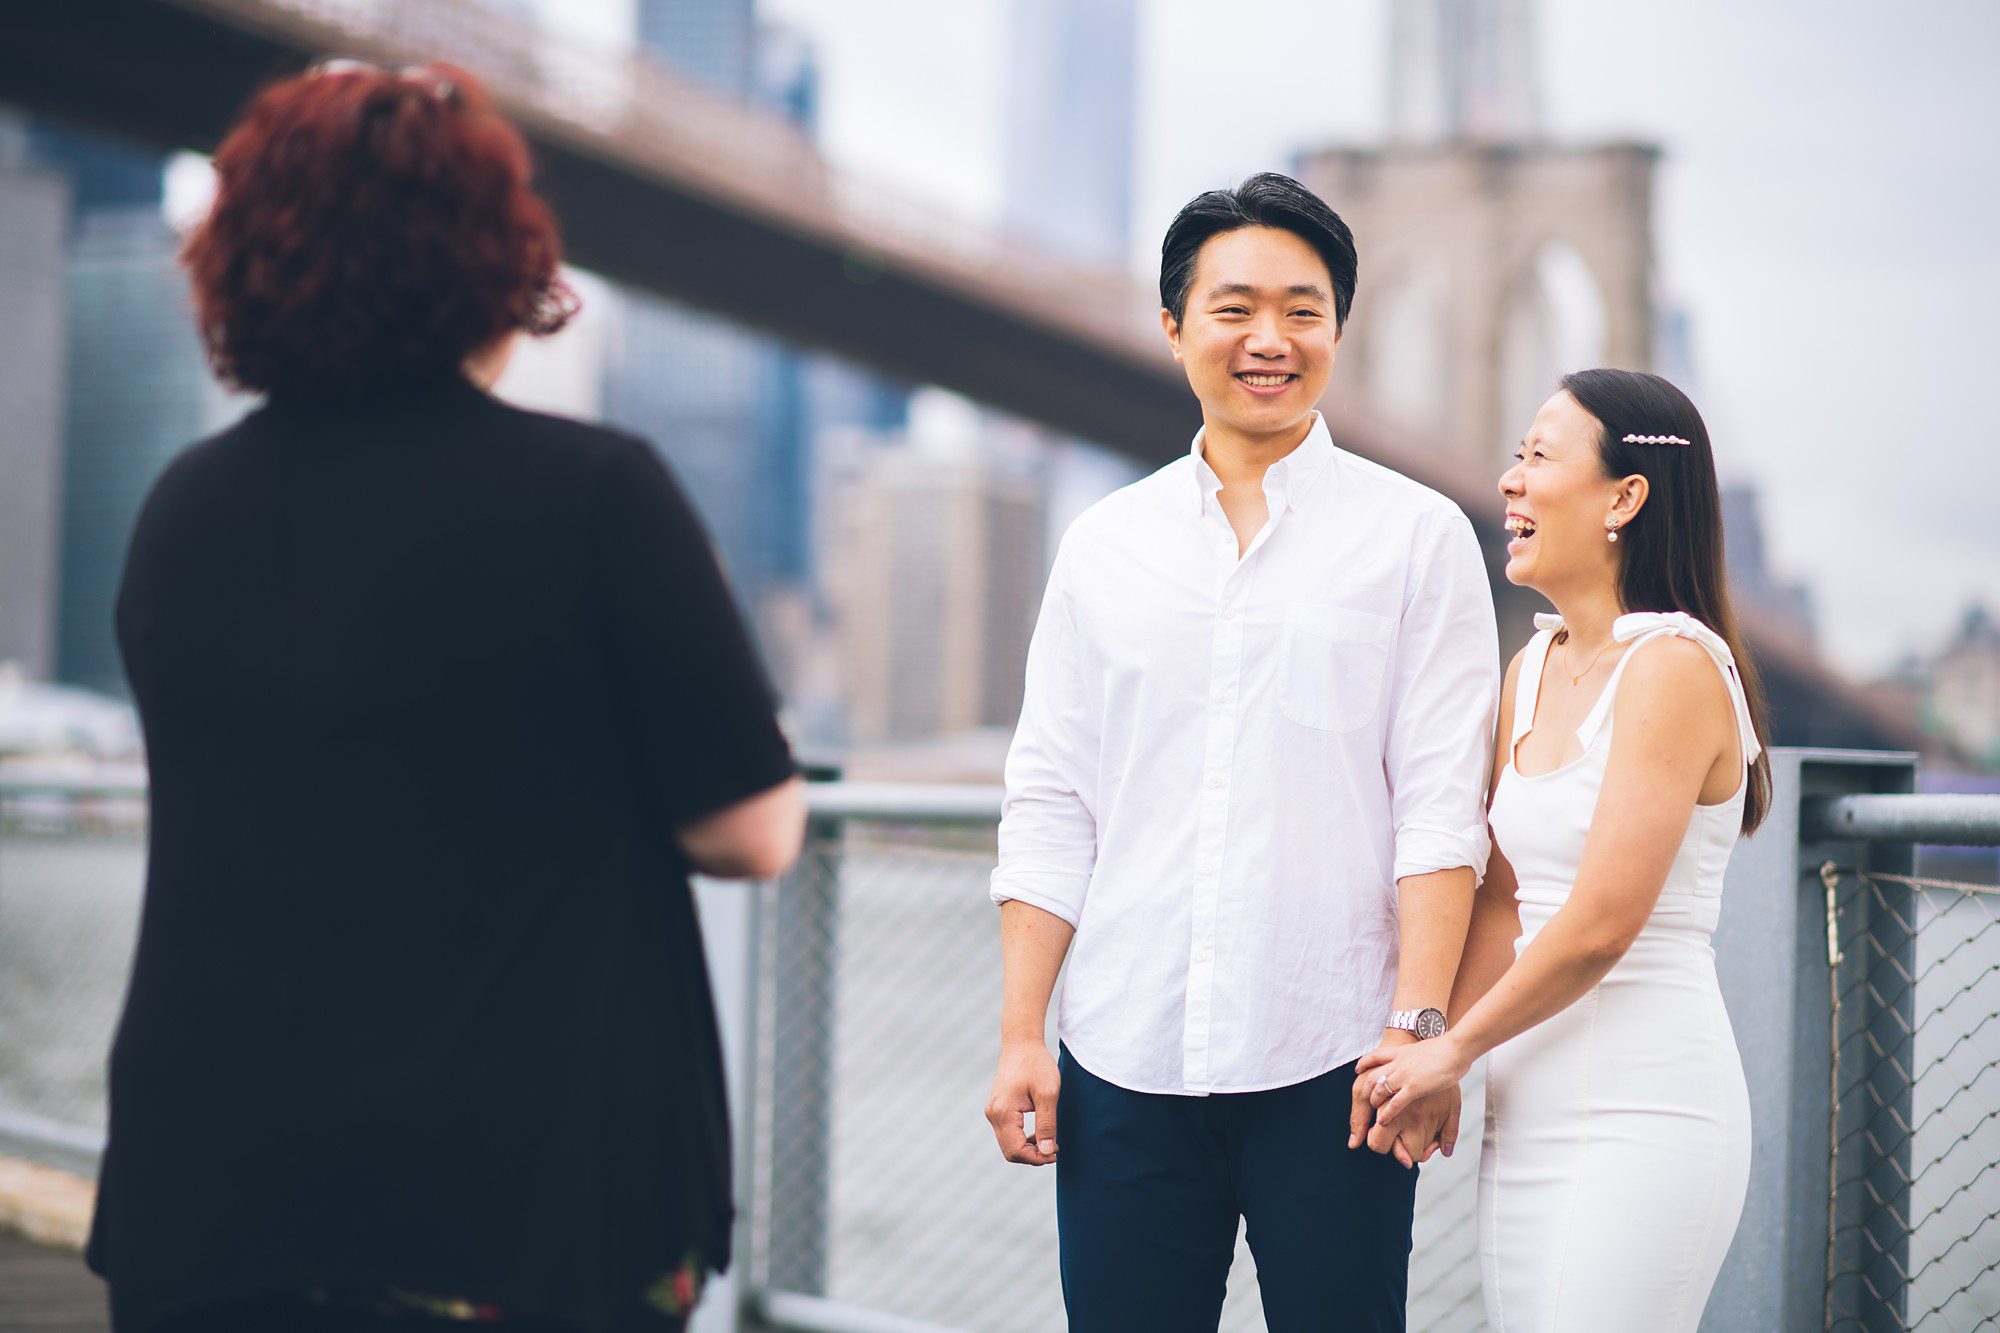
{"points": [[1412, 1021]]}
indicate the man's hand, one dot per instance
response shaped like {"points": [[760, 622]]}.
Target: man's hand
{"points": [[1361, 1126], [1428, 1126], [1421, 1128], [1407, 1082], [1028, 1080]]}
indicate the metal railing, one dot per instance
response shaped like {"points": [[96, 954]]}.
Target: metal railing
{"points": [[72, 869], [1913, 1212], [876, 1197], [859, 998]]}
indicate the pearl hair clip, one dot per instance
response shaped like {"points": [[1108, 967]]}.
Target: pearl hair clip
{"points": [[1654, 439]]}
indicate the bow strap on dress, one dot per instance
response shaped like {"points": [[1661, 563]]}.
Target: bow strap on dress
{"points": [[1642, 624]]}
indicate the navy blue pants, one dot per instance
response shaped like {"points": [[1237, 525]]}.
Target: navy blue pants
{"points": [[1149, 1187]]}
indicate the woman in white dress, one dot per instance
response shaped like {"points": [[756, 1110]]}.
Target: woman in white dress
{"points": [[1617, 1142]]}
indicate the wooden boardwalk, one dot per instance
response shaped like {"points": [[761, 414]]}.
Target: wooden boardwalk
{"points": [[48, 1291]]}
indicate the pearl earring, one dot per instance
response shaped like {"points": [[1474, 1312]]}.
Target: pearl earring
{"points": [[1611, 531]]}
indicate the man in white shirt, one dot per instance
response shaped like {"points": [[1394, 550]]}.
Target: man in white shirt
{"points": [[1246, 797]]}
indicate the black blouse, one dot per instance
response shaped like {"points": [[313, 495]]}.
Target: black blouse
{"points": [[419, 1002]]}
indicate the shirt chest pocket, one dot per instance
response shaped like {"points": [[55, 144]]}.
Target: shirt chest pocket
{"points": [[1331, 664]]}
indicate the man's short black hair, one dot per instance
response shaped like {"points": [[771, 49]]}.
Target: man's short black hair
{"points": [[1265, 200]]}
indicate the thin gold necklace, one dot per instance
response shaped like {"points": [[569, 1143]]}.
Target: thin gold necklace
{"points": [[1577, 679]]}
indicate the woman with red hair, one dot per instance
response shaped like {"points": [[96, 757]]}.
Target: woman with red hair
{"points": [[443, 702]]}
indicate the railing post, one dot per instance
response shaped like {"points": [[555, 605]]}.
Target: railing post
{"points": [[731, 915], [770, 950], [1772, 957], [1875, 1045], [805, 961]]}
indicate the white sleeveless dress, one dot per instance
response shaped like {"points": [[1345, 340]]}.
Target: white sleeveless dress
{"points": [[1617, 1142]]}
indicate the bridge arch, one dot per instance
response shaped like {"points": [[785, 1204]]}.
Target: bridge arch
{"points": [[1554, 322]]}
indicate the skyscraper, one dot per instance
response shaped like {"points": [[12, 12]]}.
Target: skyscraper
{"points": [[736, 412], [1781, 606], [713, 41], [34, 216], [138, 387], [1072, 85], [102, 174], [139, 390], [1462, 69], [692, 383], [936, 538]]}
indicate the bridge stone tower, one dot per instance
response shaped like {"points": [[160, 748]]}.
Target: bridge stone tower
{"points": [[1492, 260]]}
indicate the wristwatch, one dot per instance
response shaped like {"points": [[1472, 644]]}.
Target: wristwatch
{"points": [[1425, 1023]]}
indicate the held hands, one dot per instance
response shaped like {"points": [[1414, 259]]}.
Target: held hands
{"points": [[1406, 1100], [1028, 1080], [1400, 1083], [1425, 1120]]}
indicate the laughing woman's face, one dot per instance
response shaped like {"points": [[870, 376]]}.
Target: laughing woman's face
{"points": [[1559, 501]]}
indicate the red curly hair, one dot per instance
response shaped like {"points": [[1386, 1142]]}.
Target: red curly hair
{"points": [[371, 228]]}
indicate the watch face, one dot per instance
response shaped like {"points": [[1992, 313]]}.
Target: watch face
{"points": [[1430, 1023]]}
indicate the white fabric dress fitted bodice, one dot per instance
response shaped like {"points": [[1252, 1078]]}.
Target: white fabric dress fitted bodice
{"points": [[1617, 1141]]}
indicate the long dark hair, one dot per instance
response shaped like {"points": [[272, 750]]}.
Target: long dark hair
{"points": [[1670, 553]]}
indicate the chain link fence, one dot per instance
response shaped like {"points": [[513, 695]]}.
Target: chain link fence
{"points": [[72, 871], [1914, 1213], [870, 1175], [875, 1181]]}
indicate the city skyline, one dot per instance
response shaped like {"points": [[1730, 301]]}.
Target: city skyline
{"points": [[1772, 269], [805, 41], [1829, 323]]}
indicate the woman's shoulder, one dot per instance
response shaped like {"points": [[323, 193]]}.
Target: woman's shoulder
{"points": [[1672, 682], [209, 461], [1667, 658]]}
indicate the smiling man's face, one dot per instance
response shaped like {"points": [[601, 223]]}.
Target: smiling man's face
{"points": [[1258, 335]]}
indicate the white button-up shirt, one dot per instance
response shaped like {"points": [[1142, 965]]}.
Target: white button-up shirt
{"points": [[1224, 764]]}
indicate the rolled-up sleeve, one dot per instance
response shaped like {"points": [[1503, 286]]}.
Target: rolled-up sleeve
{"points": [[1048, 833], [1445, 693]]}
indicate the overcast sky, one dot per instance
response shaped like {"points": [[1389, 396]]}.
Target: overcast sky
{"points": [[1826, 217]]}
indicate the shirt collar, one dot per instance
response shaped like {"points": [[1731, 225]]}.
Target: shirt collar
{"points": [[1289, 479]]}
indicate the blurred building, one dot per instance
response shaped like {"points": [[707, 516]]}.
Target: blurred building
{"points": [[136, 386], [1965, 687], [1071, 89], [714, 41], [1776, 605], [1953, 695], [139, 392], [698, 386], [103, 175], [935, 558], [937, 535], [736, 412], [1068, 154], [1463, 68], [1498, 260], [34, 214]]}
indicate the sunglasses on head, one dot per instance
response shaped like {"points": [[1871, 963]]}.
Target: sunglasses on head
{"points": [[424, 76]]}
